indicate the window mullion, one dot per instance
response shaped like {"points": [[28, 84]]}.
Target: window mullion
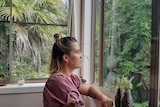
{"points": [[154, 96], [101, 44]]}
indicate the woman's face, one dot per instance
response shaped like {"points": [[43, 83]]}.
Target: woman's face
{"points": [[75, 58]]}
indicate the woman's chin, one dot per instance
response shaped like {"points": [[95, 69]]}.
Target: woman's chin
{"points": [[79, 66]]}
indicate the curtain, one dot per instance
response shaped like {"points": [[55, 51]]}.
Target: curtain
{"points": [[72, 23]]}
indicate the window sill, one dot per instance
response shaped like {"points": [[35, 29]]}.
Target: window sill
{"points": [[26, 88]]}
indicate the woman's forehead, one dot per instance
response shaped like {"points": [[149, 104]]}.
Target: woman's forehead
{"points": [[75, 46]]}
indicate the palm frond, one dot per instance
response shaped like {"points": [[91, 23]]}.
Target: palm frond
{"points": [[22, 41], [27, 44], [2, 3], [5, 13]]}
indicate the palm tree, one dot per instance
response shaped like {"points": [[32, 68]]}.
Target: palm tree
{"points": [[29, 18]]}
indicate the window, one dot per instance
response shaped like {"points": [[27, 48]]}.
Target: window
{"points": [[124, 45], [27, 37]]}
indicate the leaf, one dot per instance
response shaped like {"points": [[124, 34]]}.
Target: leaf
{"points": [[126, 99]]}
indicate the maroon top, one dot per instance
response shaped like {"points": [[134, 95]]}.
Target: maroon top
{"points": [[59, 91]]}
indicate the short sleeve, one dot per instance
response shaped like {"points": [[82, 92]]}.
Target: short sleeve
{"points": [[77, 80], [73, 98]]}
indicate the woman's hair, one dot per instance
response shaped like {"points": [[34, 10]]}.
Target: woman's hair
{"points": [[60, 47]]}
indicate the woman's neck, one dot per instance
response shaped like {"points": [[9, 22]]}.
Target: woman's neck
{"points": [[66, 71], [68, 74]]}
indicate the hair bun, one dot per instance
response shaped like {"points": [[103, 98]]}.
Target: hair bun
{"points": [[57, 36]]}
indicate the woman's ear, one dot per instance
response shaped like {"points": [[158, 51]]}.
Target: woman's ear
{"points": [[65, 58]]}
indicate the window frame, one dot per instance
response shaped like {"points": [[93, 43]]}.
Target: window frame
{"points": [[154, 74], [154, 71], [10, 56]]}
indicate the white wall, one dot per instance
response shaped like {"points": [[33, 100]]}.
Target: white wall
{"points": [[21, 100], [34, 100], [27, 95], [30, 95]]}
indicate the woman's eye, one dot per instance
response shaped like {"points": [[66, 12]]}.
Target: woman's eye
{"points": [[78, 51]]}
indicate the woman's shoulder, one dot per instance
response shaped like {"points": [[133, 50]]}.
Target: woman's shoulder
{"points": [[79, 78], [56, 77], [57, 81], [62, 76]]}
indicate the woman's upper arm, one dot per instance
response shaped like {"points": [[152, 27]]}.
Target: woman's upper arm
{"points": [[83, 89]]}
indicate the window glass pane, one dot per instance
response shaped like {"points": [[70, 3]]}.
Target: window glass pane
{"points": [[97, 42], [31, 11], [32, 49], [34, 23], [127, 42], [4, 44]]}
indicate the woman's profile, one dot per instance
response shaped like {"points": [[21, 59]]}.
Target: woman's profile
{"points": [[63, 88]]}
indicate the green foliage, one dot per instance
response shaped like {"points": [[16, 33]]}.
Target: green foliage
{"points": [[135, 37], [124, 83], [3, 50], [129, 21], [135, 34], [144, 104], [32, 43], [3, 68], [25, 68]]}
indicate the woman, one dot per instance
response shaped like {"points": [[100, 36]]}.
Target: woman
{"points": [[63, 88]]}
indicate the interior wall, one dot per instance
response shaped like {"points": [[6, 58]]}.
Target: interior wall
{"points": [[35, 100], [21, 100]]}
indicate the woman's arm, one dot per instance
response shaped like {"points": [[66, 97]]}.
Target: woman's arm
{"points": [[94, 92]]}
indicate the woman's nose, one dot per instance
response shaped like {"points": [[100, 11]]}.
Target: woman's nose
{"points": [[82, 56]]}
